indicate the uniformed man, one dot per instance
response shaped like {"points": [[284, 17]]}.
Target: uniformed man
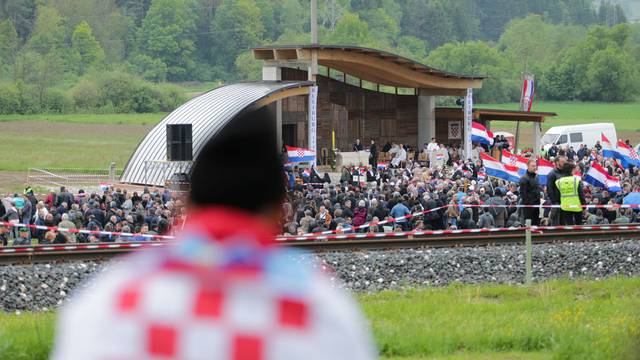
{"points": [[571, 196], [226, 290]]}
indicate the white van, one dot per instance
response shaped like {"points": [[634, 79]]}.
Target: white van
{"points": [[574, 135]]}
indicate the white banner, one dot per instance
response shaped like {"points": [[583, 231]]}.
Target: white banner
{"points": [[313, 119], [468, 118]]}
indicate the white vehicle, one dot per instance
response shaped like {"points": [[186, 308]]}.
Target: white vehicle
{"points": [[574, 135]]}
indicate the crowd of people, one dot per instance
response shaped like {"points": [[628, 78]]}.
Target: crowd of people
{"points": [[116, 211], [439, 178], [449, 192]]}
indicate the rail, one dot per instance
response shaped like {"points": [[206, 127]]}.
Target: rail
{"points": [[105, 251]]}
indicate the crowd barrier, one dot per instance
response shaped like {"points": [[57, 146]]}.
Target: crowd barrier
{"points": [[338, 233]]}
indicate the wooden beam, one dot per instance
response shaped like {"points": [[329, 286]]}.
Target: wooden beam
{"points": [[303, 90], [379, 68]]}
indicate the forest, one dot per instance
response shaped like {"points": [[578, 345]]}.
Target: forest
{"points": [[105, 56]]}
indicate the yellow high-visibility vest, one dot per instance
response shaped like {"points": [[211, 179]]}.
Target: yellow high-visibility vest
{"points": [[569, 197]]}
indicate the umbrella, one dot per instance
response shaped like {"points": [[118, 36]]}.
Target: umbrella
{"points": [[632, 199]]}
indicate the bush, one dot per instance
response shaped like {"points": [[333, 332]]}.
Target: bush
{"points": [[9, 99], [87, 95], [57, 101], [144, 101], [29, 99], [169, 96]]}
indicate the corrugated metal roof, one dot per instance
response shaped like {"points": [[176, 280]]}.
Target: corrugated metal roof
{"points": [[208, 114]]}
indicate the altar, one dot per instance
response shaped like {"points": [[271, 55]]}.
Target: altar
{"points": [[352, 158]]}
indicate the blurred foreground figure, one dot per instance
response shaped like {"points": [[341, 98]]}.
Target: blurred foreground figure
{"points": [[226, 291]]}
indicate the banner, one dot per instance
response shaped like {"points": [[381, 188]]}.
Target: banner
{"points": [[313, 119], [468, 118], [526, 99]]}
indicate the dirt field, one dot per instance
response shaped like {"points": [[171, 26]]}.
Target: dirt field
{"points": [[27, 144]]}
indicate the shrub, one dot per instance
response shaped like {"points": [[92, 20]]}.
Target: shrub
{"points": [[9, 99], [87, 95], [57, 101]]}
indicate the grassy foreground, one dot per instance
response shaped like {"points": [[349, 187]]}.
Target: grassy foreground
{"points": [[552, 320]]}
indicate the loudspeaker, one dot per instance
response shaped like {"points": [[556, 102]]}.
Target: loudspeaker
{"points": [[179, 142]]}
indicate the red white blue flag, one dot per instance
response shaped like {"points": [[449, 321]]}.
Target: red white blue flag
{"points": [[527, 93], [298, 155]]}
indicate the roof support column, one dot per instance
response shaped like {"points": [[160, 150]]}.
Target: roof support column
{"points": [[537, 130], [468, 118], [274, 73], [426, 119]]}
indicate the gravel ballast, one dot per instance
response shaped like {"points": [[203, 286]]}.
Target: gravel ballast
{"points": [[46, 286]]}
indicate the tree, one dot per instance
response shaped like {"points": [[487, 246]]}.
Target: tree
{"points": [[248, 67], [48, 32], [600, 68], [22, 13], [236, 27], [86, 49], [350, 30], [8, 42], [109, 26], [611, 76], [478, 58], [167, 34]]}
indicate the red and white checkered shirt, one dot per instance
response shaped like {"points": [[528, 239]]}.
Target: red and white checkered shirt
{"points": [[224, 292]]}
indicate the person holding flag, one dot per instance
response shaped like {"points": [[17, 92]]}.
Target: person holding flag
{"points": [[571, 196]]}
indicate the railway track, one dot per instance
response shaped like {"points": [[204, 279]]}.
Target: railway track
{"points": [[106, 251]]}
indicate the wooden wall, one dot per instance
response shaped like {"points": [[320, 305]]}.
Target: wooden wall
{"points": [[352, 112]]}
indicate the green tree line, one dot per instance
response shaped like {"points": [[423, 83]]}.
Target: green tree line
{"points": [[53, 53]]}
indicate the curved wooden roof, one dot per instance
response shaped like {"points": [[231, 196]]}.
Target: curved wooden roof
{"points": [[372, 65]]}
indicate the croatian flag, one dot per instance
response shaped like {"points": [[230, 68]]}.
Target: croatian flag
{"points": [[482, 176], [527, 93], [627, 155], [599, 177], [544, 168], [515, 160], [382, 166], [608, 150], [298, 155], [480, 134], [499, 170]]}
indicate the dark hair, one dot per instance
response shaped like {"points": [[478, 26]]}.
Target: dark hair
{"points": [[221, 176]]}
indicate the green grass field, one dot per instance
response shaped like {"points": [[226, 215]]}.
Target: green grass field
{"points": [[94, 140], [114, 119], [626, 116], [552, 320]]}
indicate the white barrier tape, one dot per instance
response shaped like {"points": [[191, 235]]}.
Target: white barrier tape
{"points": [[84, 231]]}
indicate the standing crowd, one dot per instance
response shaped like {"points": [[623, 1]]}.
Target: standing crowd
{"points": [[439, 178], [145, 214]]}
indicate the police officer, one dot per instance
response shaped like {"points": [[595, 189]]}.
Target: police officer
{"points": [[571, 196]]}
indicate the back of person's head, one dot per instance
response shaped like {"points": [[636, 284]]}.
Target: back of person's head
{"points": [[240, 167]]}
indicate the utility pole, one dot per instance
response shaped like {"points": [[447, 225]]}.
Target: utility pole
{"points": [[314, 22]]}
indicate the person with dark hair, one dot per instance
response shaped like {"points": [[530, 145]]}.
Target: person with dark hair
{"points": [[373, 155], [226, 289], [552, 190], [530, 193]]}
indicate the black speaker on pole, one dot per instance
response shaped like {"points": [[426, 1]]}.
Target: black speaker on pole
{"points": [[179, 142]]}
